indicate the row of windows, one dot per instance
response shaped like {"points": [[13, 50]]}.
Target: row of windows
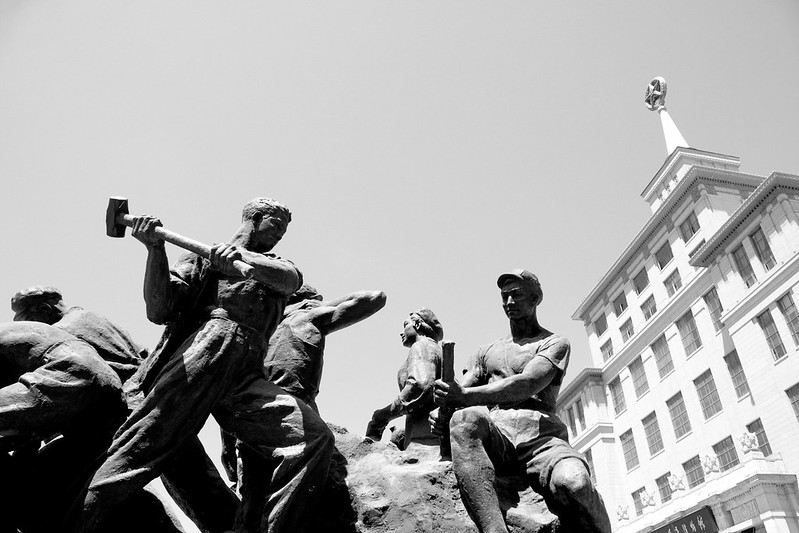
{"points": [[576, 415], [689, 333], [649, 308], [726, 454], [762, 252], [709, 401], [686, 325], [789, 312], [673, 283], [682, 426], [663, 256], [706, 391]]}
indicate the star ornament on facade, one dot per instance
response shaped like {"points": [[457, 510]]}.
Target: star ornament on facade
{"points": [[655, 97]]}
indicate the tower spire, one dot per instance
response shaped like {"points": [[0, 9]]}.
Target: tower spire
{"points": [[655, 100]]}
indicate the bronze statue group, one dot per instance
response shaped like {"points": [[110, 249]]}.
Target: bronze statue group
{"points": [[88, 418]]}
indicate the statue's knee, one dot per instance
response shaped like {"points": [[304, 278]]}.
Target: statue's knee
{"points": [[571, 478], [468, 423]]}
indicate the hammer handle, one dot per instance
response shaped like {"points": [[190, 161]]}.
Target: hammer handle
{"points": [[203, 250]]}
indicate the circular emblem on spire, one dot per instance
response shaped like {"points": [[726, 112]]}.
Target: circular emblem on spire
{"points": [[655, 97]]}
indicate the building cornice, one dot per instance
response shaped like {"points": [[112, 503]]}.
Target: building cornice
{"points": [[672, 202], [771, 186], [577, 384], [600, 430], [677, 156]]}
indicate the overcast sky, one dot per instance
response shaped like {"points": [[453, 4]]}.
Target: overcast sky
{"points": [[423, 147]]}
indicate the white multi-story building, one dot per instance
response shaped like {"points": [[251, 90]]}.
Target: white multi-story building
{"points": [[691, 417]]}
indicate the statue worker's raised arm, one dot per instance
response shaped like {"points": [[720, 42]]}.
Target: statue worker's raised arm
{"points": [[277, 273], [157, 288], [343, 312]]}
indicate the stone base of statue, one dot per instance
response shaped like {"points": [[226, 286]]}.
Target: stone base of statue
{"points": [[376, 488]]}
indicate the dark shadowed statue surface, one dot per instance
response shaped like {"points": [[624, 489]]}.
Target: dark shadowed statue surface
{"points": [[506, 421], [295, 355], [210, 361], [294, 359], [190, 476], [421, 333], [55, 388]]}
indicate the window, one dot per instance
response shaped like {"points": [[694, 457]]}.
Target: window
{"points": [[793, 397], [637, 502], [578, 407], [572, 424], [663, 487], [628, 448], [627, 330], [737, 374], [756, 427], [772, 335], [673, 283], [725, 451], [663, 255], [689, 227], [600, 324], [693, 471], [617, 396], [662, 356], [788, 310], [638, 373], [649, 308], [640, 383], [708, 395], [679, 415], [762, 249], [690, 335], [652, 431], [607, 350], [744, 266], [714, 307], [620, 304], [589, 458], [641, 281]]}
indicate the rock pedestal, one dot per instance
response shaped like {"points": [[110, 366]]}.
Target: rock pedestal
{"points": [[376, 488]]}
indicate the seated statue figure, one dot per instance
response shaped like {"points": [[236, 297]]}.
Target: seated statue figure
{"points": [[505, 420], [421, 333]]}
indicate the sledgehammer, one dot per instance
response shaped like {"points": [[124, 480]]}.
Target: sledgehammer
{"points": [[117, 219]]}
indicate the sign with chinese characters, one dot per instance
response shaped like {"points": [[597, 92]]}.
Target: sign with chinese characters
{"points": [[699, 521]]}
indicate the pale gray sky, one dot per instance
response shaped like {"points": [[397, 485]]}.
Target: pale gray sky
{"points": [[423, 147]]}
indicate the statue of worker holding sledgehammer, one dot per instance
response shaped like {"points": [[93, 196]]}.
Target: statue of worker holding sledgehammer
{"points": [[219, 318]]}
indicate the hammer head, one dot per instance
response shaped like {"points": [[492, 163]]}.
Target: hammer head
{"points": [[117, 205]]}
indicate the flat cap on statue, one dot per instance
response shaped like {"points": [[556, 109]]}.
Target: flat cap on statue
{"points": [[525, 276]]}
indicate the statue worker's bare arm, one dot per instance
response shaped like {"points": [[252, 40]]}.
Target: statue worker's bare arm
{"points": [[157, 287], [416, 390], [536, 375], [343, 312], [278, 274]]}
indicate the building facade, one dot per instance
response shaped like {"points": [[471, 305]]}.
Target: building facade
{"points": [[690, 416]]}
